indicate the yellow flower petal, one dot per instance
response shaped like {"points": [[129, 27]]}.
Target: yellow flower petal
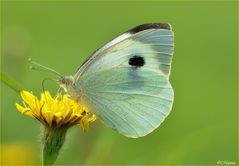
{"points": [[58, 114], [58, 118], [31, 101], [28, 97], [92, 118], [19, 107], [46, 97], [25, 111]]}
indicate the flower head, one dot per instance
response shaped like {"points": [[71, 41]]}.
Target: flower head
{"points": [[59, 111]]}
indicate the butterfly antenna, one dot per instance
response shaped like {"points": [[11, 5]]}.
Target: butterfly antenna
{"points": [[43, 82], [43, 85], [40, 67]]}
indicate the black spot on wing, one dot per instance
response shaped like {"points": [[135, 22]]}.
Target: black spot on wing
{"points": [[137, 61], [149, 26]]}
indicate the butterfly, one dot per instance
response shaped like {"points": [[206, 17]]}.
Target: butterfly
{"points": [[126, 82]]}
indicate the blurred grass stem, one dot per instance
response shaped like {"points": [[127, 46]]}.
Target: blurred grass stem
{"points": [[10, 82]]}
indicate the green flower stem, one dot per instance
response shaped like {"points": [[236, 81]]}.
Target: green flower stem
{"points": [[53, 139], [10, 82]]}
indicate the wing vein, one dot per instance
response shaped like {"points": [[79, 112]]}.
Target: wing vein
{"points": [[130, 93]]}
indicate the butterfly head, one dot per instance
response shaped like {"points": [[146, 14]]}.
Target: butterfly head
{"points": [[66, 82]]}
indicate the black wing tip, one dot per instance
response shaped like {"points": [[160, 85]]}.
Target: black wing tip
{"points": [[146, 26]]}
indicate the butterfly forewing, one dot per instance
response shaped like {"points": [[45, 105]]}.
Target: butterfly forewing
{"points": [[154, 45]]}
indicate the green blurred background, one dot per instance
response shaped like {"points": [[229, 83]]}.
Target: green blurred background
{"points": [[202, 127]]}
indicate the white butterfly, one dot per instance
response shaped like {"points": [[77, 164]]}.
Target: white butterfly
{"points": [[126, 82]]}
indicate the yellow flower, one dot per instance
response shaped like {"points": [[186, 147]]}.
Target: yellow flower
{"points": [[59, 111]]}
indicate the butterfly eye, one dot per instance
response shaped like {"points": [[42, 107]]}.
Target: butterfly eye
{"points": [[137, 61], [61, 80]]}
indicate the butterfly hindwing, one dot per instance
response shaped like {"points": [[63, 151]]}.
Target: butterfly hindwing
{"points": [[132, 101]]}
